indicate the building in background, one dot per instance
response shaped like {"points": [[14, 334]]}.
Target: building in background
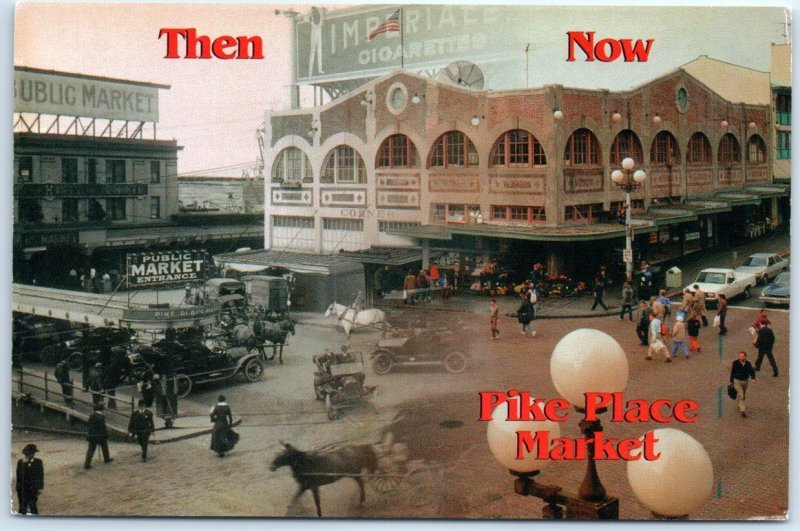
{"points": [[93, 181], [781, 101]]}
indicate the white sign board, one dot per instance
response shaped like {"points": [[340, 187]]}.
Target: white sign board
{"points": [[68, 95]]}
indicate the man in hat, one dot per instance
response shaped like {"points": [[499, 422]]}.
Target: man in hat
{"points": [[63, 377], [95, 383], [30, 480], [141, 427], [97, 435]]}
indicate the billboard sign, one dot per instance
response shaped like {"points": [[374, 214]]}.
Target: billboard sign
{"points": [[336, 45], [159, 268], [44, 92]]}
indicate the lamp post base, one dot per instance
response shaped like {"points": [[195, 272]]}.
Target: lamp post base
{"points": [[578, 509]]}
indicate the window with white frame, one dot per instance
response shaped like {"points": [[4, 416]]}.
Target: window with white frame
{"points": [[291, 166], [344, 165]]}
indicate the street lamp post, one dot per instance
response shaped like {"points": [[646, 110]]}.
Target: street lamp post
{"points": [[628, 180]]}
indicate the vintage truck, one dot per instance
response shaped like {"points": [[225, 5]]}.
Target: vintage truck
{"points": [[714, 281]]}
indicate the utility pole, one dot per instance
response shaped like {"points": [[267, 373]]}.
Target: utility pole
{"points": [[527, 48]]}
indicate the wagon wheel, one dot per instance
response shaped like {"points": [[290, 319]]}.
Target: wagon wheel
{"points": [[75, 361], [184, 385], [382, 363], [329, 407], [455, 362], [253, 370], [384, 484]]}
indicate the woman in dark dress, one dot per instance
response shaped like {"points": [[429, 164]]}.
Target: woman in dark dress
{"points": [[223, 438]]}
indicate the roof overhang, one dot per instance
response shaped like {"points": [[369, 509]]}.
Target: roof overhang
{"points": [[395, 256], [296, 262]]}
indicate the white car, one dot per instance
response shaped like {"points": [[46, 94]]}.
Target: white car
{"points": [[763, 266], [714, 281]]}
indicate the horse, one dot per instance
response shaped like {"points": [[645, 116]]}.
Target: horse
{"points": [[274, 333], [311, 470], [351, 319]]}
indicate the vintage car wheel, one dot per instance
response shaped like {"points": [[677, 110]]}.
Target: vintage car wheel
{"points": [[382, 362], [329, 407], [183, 384], [253, 370], [75, 361], [455, 362]]}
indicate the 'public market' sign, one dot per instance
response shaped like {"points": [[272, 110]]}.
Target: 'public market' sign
{"points": [[165, 267]]}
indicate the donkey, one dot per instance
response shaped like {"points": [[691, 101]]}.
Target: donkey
{"points": [[314, 469]]}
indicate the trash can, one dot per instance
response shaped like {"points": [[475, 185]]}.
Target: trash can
{"points": [[674, 278]]}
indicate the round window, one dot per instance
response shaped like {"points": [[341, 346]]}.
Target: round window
{"points": [[681, 99], [397, 98]]}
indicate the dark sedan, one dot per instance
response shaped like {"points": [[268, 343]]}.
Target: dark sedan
{"points": [[778, 292]]}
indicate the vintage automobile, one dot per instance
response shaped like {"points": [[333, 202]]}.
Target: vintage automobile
{"points": [[777, 293], [339, 380], [763, 266], [33, 334], [419, 347], [194, 363], [86, 347]]}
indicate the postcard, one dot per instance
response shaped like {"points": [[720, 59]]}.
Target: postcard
{"points": [[401, 261]]}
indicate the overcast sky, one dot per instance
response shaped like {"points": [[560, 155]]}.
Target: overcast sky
{"points": [[215, 106]]}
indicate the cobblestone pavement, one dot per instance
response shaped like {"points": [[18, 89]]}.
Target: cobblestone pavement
{"points": [[454, 475]]}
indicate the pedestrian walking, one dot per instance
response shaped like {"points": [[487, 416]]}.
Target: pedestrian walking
{"points": [[525, 317], [761, 318], [656, 333], [693, 330], [627, 301], [147, 390], [30, 480], [409, 285], [643, 326], [700, 304], [141, 426], [444, 286], [665, 302], [645, 281], [599, 289], [765, 340], [493, 316], [65, 380], [95, 384], [741, 373], [97, 435], [223, 438], [679, 337], [533, 298], [687, 303], [722, 312], [657, 308]]}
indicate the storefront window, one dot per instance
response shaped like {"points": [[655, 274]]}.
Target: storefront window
{"points": [[699, 150], [729, 151], [625, 145], [453, 149], [582, 149], [518, 148], [665, 151], [397, 151], [756, 150]]}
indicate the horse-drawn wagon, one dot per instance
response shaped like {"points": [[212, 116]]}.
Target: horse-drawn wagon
{"points": [[339, 380]]}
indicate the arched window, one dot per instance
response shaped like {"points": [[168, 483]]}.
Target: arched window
{"points": [[625, 145], [729, 151], [397, 151], [582, 149], [343, 165], [453, 148], [517, 148], [699, 151], [665, 151], [756, 150], [291, 166]]}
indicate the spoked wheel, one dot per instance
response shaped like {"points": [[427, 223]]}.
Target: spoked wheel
{"points": [[329, 407], [382, 363], [184, 385], [455, 362], [384, 483], [253, 370], [75, 361]]}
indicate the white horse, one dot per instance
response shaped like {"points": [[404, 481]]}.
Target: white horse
{"points": [[351, 319]]}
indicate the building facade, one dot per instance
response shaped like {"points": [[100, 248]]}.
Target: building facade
{"points": [[781, 85], [406, 160]]}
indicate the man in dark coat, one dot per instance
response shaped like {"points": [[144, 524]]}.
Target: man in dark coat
{"points": [[223, 438], [765, 340], [95, 383], [30, 480], [643, 325], [741, 373], [141, 427], [599, 290], [63, 377], [97, 435]]}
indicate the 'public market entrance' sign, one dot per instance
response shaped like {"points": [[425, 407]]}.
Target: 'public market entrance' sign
{"points": [[159, 268]]}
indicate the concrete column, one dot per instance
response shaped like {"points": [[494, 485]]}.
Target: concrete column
{"points": [[426, 254]]}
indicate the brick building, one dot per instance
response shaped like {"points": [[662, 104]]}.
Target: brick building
{"points": [[524, 175]]}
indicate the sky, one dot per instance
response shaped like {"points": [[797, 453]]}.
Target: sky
{"points": [[215, 106]]}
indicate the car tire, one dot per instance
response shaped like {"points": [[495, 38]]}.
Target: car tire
{"points": [[183, 385], [455, 362], [75, 361], [746, 293], [253, 370], [765, 279], [382, 362]]}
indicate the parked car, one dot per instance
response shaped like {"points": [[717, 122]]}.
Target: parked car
{"points": [[778, 292], [763, 266], [714, 281], [32, 334], [86, 346]]}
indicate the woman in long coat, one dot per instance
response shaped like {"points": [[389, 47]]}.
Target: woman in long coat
{"points": [[222, 437]]}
